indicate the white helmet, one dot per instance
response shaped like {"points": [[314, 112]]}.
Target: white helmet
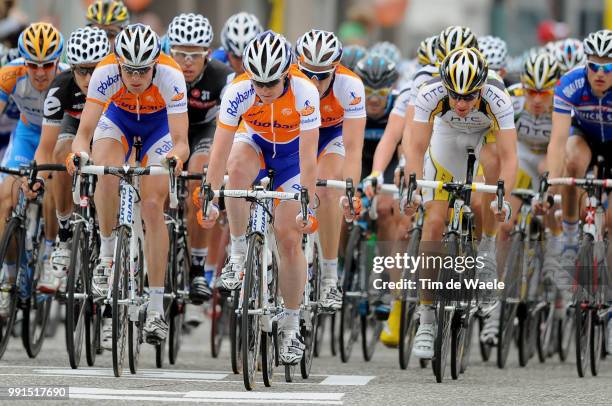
{"points": [[238, 31], [599, 43], [86, 46], [137, 45], [190, 29], [267, 57], [426, 53], [388, 50], [570, 53], [495, 51], [319, 48]]}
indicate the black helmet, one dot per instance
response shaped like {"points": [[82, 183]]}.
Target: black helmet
{"points": [[351, 55], [376, 71]]}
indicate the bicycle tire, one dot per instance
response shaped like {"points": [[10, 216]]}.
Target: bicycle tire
{"points": [[120, 319], [318, 342], [349, 312], [582, 315], [408, 307], [180, 281], [545, 327], [251, 329], [457, 337], [309, 333], [135, 328], [13, 237], [235, 337], [268, 340], [76, 308]]}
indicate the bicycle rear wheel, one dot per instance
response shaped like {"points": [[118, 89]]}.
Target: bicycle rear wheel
{"points": [[121, 269], [251, 300], [11, 251], [36, 312], [77, 298]]}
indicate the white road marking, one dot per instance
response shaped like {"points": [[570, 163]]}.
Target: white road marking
{"points": [[347, 380], [151, 374]]}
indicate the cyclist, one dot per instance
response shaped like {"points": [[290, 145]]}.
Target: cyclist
{"points": [[108, 15], [343, 119], [10, 115], [388, 50], [383, 133], [581, 129], [532, 100], [190, 36], [569, 53], [63, 106], [495, 51], [279, 108], [351, 55], [453, 112], [137, 91], [236, 34]]}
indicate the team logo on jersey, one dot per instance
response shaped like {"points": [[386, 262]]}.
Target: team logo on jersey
{"points": [[356, 99], [307, 110], [328, 109], [286, 111], [179, 95]]}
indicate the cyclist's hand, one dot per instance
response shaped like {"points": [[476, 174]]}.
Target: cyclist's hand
{"points": [[37, 188], [210, 219], [179, 163], [367, 183], [357, 206], [504, 215], [410, 207], [195, 197], [70, 166], [310, 225]]}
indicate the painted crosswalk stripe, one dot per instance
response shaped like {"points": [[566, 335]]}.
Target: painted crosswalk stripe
{"points": [[348, 380], [152, 374]]}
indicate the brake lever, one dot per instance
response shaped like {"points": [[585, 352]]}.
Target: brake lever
{"points": [[304, 202], [172, 179], [350, 194], [500, 195]]}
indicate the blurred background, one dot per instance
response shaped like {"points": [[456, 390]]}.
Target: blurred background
{"points": [[522, 23]]}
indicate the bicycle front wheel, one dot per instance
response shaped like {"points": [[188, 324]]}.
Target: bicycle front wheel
{"points": [[408, 324], [135, 333], [11, 251], [251, 300], [349, 312], [77, 299], [120, 293]]}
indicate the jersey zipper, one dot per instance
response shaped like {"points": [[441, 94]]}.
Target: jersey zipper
{"points": [[138, 107], [273, 133], [601, 125]]}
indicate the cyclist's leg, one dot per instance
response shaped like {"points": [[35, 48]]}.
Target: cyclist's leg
{"points": [[331, 161]]}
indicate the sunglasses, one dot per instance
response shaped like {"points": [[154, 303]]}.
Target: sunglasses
{"points": [[265, 85], [383, 92], [465, 97], [45, 65], [184, 55], [128, 70], [542, 92], [595, 67], [82, 71], [316, 75]]}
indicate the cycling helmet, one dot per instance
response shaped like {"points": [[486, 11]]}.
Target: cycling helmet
{"points": [[464, 71], [41, 42], [319, 48], [105, 12], [540, 71], [87, 46], [426, 53], [599, 43], [351, 55], [388, 50], [190, 29], [267, 57], [137, 45], [570, 53], [454, 37], [238, 31], [376, 71], [10, 55], [164, 43], [495, 51]]}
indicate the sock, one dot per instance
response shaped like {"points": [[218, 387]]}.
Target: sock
{"points": [[329, 271], [487, 243], [48, 249], [107, 246], [570, 232], [554, 244], [238, 246], [209, 272], [65, 231], [198, 257], [292, 319], [427, 315], [157, 299]]}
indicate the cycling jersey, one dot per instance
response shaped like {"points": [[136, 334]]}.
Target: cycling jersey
{"points": [[446, 158], [401, 101], [64, 98], [8, 121], [422, 76], [533, 136], [344, 99], [204, 94], [592, 115], [375, 128], [272, 130], [146, 115]]}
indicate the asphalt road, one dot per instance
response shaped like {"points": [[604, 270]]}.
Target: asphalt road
{"points": [[199, 378]]}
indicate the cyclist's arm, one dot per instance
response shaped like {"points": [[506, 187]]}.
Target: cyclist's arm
{"points": [[555, 155], [178, 124], [309, 144], [506, 144], [44, 151], [353, 130], [221, 148], [388, 143], [416, 141], [89, 120]]}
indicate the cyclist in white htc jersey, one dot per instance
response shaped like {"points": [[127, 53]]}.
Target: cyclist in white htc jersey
{"points": [[453, 112]]}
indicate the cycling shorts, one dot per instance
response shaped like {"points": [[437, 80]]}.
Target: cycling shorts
{"points": [[286, 167], [598, 148], [330, 141], [124, 126], [22, 146], [201, 138], [68, 128]]}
